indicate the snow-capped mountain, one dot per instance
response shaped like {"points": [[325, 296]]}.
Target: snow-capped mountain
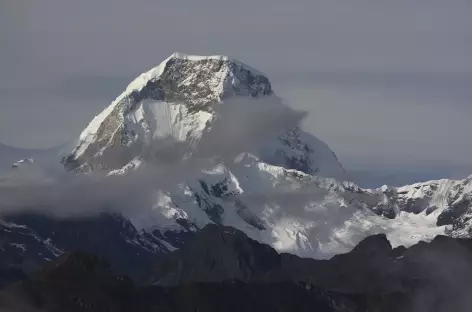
{"points": [[280, 194], [286, 191], [177, 100]]}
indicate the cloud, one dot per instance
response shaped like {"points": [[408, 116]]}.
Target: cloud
{"points": [[244, 124], [389, 123], [84, 195], [241, 126]]}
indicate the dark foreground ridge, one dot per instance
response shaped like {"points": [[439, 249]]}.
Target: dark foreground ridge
{"points": [[224, 270]]}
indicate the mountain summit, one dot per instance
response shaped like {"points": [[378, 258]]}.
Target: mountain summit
{"points": [[176, 100]]}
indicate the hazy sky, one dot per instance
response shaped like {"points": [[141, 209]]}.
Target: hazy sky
{"points": [[387, 83]]}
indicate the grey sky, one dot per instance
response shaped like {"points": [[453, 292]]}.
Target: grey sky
{"points": [[387, 83]]}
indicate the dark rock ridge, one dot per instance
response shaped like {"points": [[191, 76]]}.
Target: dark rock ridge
{"points": [[432, 274], [40, 238], [218, 253], [82, 282], [222, 269]]}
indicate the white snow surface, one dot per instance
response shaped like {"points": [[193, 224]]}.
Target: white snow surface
{"points": [[291, 211]]}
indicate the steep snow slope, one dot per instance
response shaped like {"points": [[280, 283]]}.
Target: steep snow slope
{"points": [[450, 200], [176, 100]]}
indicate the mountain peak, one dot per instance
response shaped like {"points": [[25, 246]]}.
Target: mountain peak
{"points": [[173, 99], [184, 56], [185, 69], [176, 100]]}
